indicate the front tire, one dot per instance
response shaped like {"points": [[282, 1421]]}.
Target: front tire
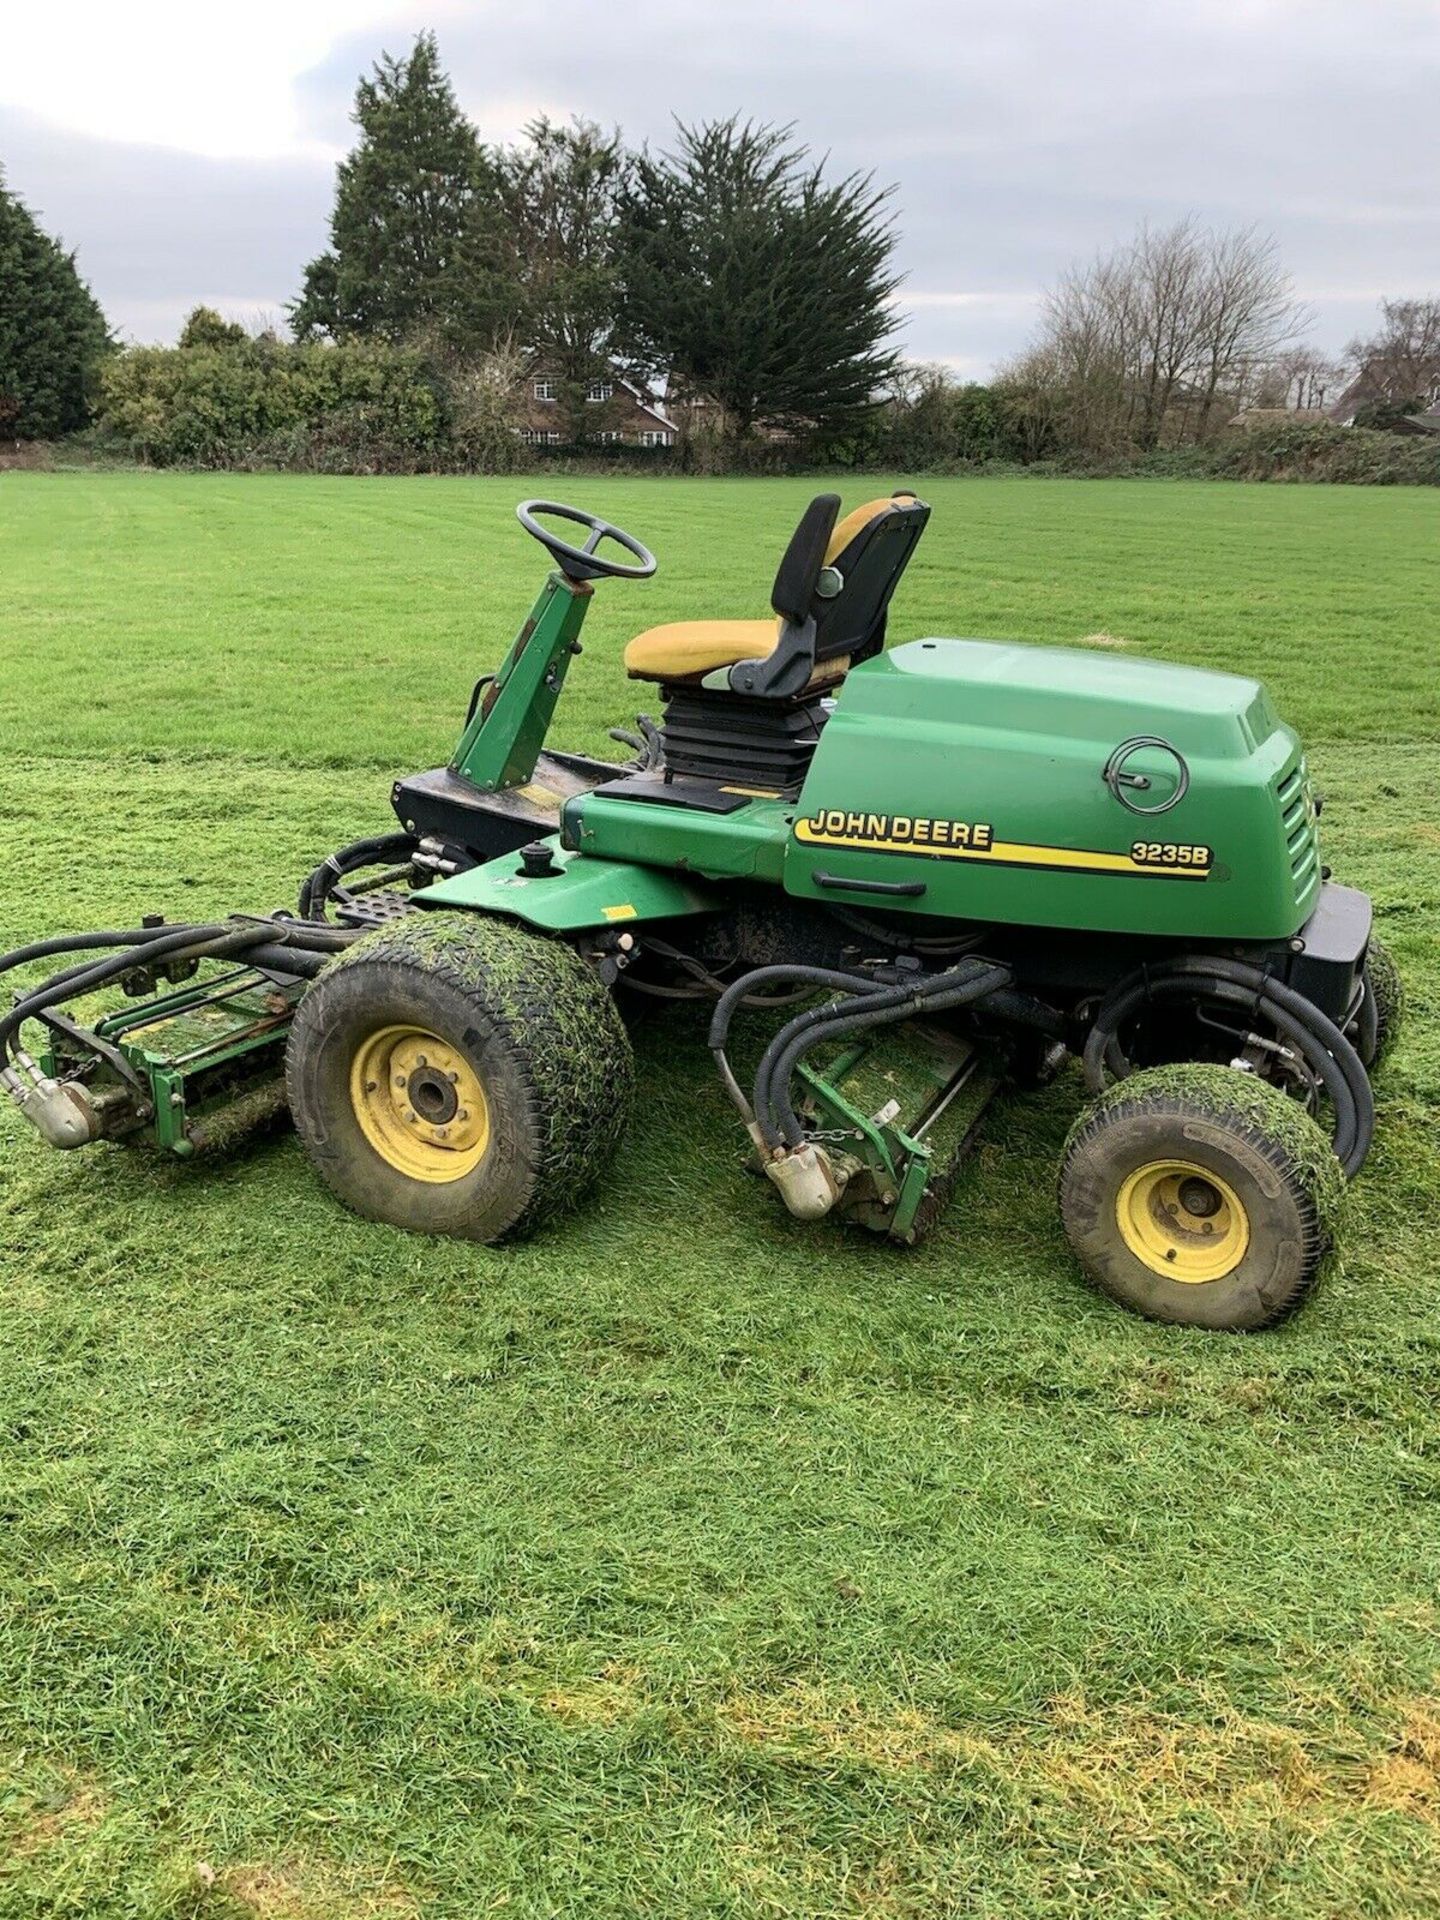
{"points": [[458, 1075], [1197, 1195]]}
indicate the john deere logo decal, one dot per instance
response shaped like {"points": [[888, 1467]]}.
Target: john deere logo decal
{"points": [[919, 834], [891, 831]]}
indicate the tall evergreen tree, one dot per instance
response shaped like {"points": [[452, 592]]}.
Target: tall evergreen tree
{"points": [[757, 283], [415, 236], [561, 193], [52, 332]]}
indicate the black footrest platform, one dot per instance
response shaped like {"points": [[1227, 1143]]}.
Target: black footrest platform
{"points": [[700, 796], [442, 805]]}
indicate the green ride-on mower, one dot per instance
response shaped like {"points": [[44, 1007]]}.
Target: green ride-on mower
{"points": [[944, 868]]}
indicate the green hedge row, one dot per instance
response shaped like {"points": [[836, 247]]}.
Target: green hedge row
{"points": [[222, 399], [362, 407]]}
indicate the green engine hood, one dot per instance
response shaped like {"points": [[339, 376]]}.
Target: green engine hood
{"points": [[966, 778]]}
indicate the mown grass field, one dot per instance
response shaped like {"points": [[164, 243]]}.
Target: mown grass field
{"points": [[685, 1562]]}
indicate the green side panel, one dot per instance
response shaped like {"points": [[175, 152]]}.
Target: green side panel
{"points": [[748, 844], [584, 893], [970, 773]]}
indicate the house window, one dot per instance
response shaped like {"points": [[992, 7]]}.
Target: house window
{"points": [[600, 390], [544, 389], [610, 439], [552, 439], [656, 439]]}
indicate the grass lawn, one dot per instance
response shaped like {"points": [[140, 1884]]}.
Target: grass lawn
{"points": [[686, 1561]]}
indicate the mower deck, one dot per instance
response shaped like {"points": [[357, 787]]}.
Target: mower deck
{"points": [[185, 1059]]}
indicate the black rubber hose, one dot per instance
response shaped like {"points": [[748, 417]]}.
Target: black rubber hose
{"points": [[214, 943], [742, 990], [786, 1121], [880, 1000], [305, 962], [1330, 1044], [937, 1000], [81, 943], [876, 993], [135, 956], [1327, 1052], [748, 983], [304, 935], [316, 936], [316, 889], [1025, 1010], [1350, 1096], [1244, 989]]}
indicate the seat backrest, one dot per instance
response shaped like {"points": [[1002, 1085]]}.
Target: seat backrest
{"points": [[867, 553]]}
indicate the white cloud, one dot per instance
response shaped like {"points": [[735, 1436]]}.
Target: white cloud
{"points": [[206, 78]]}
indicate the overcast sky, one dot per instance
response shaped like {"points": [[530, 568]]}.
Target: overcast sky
{"points": [[187, 150]]}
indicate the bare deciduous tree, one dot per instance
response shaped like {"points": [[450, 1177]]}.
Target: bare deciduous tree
{"points": [[1163, 338], [1301, 380], [1401, 362]]}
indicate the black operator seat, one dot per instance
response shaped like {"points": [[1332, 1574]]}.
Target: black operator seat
{"points": [[830, 600]]}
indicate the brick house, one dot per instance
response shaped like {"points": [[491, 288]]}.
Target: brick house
{"points": [[624, 414]]}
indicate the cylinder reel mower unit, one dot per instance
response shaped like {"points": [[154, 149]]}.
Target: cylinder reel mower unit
{"points": [[903, 881]]}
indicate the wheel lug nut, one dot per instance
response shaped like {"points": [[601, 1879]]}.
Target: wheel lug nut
{"points": [[421, 1061], [413, 1118], [372, 1086], [400, 1080], [453, 1078], [463, 1114]]}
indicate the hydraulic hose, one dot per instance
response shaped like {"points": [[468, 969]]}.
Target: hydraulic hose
{"points": [[941, 993], [286, 944], [319, 885], [1325, 1049], [211, 943], [742, 989], [81, 943], [303, 935]]}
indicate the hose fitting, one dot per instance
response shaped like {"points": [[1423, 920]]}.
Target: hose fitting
{"points": [[59, 1110]]}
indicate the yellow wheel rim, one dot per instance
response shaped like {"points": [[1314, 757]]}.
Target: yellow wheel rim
{"points": [[420, 1104], [1182, 1220]]}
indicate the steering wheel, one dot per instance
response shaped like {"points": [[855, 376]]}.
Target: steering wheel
{"points": [[584, 563]]}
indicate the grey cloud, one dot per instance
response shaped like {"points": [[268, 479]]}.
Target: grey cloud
{"points": [[1019, 136], [157, 231]]}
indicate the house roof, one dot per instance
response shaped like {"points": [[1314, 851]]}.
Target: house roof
{"points": [[648, 401]]}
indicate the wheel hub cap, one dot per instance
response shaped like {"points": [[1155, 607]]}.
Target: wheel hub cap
{"points": [[1183, 1221], [420, 1104]]}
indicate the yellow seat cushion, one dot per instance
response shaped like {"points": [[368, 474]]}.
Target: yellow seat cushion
{"points": [[686, 648]]}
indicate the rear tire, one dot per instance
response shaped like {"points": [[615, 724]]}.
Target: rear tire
{"points": [[1200, 1196], [456, 1075], [1386, 991]]}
